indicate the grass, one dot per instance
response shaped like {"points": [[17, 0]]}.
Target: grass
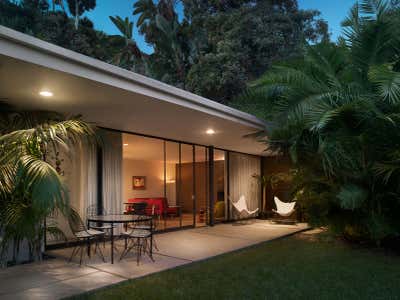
{"points": [[298, 267]]}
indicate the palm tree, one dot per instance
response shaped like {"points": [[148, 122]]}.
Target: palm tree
{"points": [[78, 7], [335, 111], [172, 50], [147, 11], [130, 55], [30, 186], [58, 3]]}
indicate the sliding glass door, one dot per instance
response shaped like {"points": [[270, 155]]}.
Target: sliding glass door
{"points": [[220, 186], [172, 178]]}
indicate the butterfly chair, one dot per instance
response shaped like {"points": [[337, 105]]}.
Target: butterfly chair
{"points": [[284, 209], [241, 207]]}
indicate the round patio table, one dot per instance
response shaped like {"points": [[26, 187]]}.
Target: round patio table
{"points": [[121, 219]]}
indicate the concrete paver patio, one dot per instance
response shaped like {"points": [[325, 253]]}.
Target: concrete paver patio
{"points": [[56, 278]]}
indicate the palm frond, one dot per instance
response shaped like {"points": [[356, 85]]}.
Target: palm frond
{"points": [[387, 82], [352, 196]]}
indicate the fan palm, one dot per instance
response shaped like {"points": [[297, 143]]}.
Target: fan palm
{"points": [[30, 186], [336, 112]]}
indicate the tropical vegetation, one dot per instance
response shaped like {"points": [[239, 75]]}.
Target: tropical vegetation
{"points": [[336, 111], [212, 48], [32, 187]]}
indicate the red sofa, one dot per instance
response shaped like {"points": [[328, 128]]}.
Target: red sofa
{"points": [[155, 206]]}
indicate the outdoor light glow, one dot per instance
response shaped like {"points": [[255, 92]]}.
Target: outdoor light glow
{"points": [[45, 93], [210, 131]]}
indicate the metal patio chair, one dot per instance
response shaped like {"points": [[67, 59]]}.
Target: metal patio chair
{"points": [[138, 239], [93, 210], [84, 237]]}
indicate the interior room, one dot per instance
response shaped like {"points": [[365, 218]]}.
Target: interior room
{"points": [[170, 177]]}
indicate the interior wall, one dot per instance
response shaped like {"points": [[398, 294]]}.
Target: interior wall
{"points": [[154, 172]]}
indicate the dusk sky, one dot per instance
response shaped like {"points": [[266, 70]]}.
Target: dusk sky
{"points": [[332, 11]]}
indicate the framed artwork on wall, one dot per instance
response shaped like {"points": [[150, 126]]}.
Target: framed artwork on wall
{"points": [[139, 182]]}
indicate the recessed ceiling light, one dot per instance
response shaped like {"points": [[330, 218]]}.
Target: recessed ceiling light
{"points": [[45, 93], [210, 131], [126, 144]]}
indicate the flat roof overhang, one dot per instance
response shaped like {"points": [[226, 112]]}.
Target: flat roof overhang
{"points": [[115, 98]]}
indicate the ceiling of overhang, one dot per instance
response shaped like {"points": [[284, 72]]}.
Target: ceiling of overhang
{"points": [[107, 106]]}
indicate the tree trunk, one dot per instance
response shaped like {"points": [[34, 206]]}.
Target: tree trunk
{"points": [[76, 14], [264, 197]]}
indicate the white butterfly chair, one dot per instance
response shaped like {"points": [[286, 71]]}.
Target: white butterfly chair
{"points": [[241, 207], [284, 209]]}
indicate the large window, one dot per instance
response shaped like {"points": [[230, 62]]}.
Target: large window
{"points": [[220, 186], [201, 186], [172, 216], [173, 177]]}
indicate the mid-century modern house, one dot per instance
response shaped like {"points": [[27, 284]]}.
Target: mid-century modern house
{"points": [[161, 144]]}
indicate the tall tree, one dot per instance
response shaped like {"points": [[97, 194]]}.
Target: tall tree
{"points": [[159, 24], [219, 46], [243, 39], [336, 111], [78, 7], [55, 3], [130, 55]]}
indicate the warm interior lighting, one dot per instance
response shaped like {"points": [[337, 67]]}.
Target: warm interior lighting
{"points": [[210, 131], [45, 93], [126, 145]]}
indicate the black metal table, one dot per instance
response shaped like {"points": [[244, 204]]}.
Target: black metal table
{"points": [[121, 219]]}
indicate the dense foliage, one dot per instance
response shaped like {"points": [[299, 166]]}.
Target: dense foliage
{"points": [[31, 186], [35, 17], [336, 112], [212, 48]]}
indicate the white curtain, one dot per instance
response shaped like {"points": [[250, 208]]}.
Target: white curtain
{"points": [[242, 169], [112, 172], [80, 173]]}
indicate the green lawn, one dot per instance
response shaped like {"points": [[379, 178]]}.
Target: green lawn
{"points": [[293, 268]]}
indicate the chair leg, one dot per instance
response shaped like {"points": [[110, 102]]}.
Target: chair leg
{"points": [[155, 244], [138, 251], [127, 249], [74, 252], [80, 260], [100, 252]]}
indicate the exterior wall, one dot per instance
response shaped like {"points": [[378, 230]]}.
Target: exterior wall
{"points": [[272, 165]]}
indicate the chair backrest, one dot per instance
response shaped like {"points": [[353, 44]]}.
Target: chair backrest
{"points": [[241, 204], [75, 222], [94, 210], [160, 205], [139, 208], [283, 207]]}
